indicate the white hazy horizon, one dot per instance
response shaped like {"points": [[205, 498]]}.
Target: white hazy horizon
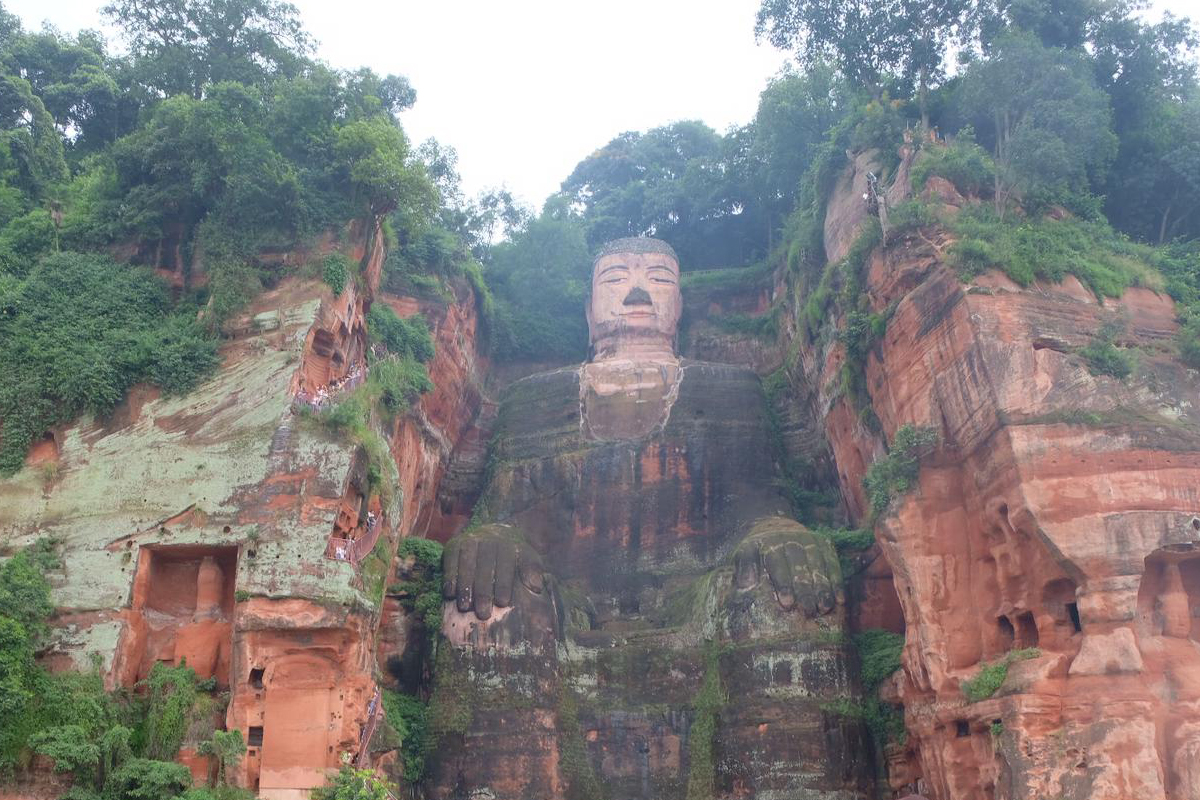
{"points": [[525, 90]]}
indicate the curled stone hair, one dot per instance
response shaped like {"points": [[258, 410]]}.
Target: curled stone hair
{"points": [[636, 244]]}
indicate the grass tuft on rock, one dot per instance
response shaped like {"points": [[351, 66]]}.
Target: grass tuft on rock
{"points": [[991, 676]]}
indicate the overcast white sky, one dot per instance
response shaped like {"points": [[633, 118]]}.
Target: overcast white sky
{"points": [[525, 89]]}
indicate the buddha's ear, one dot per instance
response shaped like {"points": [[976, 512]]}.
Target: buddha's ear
{"points": [[591, 323]]}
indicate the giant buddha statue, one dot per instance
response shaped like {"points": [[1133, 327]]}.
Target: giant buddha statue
{"points": [[633, 611]]}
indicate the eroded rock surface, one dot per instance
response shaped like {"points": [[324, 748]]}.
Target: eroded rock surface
{"points": [[1060, 512], [202, 528], [637, 615]]}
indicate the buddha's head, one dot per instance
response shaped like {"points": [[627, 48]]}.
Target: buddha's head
{"points": [[635, 303]]}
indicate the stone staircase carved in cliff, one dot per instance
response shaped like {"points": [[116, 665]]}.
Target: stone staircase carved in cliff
{"points": [[374, 715]]}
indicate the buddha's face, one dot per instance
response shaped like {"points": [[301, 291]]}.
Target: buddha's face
{"points": [[635, 298]]}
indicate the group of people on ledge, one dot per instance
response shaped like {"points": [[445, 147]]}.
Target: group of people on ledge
{"points": [[344, 549], [324, 394]]}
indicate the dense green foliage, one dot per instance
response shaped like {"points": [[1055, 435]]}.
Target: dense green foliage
{"points": [[895, 473], [171, 694], [1048, 122], [879, 653], [1027, 250], [353, 784], [1180, 265], [406, 338], [213, 138], [870, 42], [1103, 357], [669, 181], [420, 594], [540, 277], [423, 595], [227, 748], [879, 657], [962, 162], [410, 719], [335, 271], [76, 333], [992, 674], [1077, 100], [118, 746]]}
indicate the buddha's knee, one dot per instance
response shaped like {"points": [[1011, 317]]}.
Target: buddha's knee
{"points": [[783, 571]]}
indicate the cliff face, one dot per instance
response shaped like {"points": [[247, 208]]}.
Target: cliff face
{"points": [[604, 635], [206, 527], [1059, 512], [1059, 516]]}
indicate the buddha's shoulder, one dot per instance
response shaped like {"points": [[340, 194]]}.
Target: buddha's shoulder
{"points": [[714, 392], [696, 371], [542, 402], [563, 379]]}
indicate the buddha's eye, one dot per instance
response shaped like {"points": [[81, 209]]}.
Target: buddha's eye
{"points": [[665, 281]]}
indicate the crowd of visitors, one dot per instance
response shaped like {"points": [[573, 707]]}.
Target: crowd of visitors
{"points": [[321, 398]]}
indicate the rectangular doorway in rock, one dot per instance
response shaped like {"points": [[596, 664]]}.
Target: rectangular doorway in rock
{"points": [[301, 711], [181, 610]]}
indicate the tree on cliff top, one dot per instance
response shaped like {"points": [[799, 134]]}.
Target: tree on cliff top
{"points": [[676, 182], [186, 46], [1048, 122], [870, 40]]}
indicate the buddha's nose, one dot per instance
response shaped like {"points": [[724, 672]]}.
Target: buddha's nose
{"points": [[638, 297]]}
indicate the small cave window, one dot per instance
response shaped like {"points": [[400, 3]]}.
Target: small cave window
{"points": [[255, 738], [1073, 613], [256, 677], [1028, 630], [1007, 634], [962, 728]]}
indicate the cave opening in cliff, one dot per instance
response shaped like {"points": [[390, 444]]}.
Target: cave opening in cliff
{"points": [[1169, 597], [255, 736], [962, 728], [1027, 630], [256, 677], [1007, 634], [1073, 614], [1058, 599], [182, 609]]}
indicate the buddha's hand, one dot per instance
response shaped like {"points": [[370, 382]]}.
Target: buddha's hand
{"points": [[488, 568], [802, 568]]}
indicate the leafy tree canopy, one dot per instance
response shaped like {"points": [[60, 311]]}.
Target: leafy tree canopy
{"points": [[77, 333], [186, 46], [1047, 121]]}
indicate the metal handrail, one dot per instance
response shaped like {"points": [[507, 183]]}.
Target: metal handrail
{"points": [[316, 402], [354, 550], [369, 727]]}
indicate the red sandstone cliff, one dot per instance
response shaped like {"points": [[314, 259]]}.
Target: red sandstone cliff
{"points": [[202, 527], [1060, 511]]}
